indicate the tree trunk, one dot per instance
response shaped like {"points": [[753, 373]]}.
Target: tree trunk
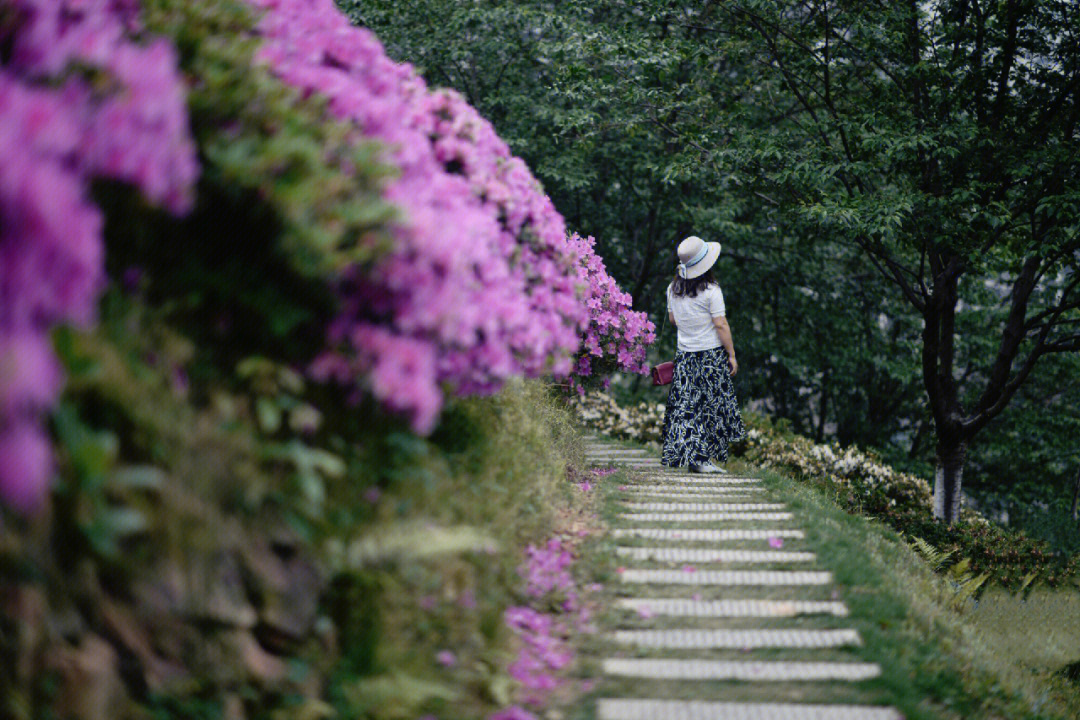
{"points": [[1076, 498], [948, 479], [823, 408], [916, 442]]}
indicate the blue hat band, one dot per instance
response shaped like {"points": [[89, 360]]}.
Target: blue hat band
{"points": [[700, 256]]}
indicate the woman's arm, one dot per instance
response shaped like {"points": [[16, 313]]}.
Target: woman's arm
{"points": [[723, 331], [671, 317]]}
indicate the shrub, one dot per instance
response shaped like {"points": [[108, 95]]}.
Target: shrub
{"points": [[344, 206], [482, 282], [80, 100], [642, 422]]}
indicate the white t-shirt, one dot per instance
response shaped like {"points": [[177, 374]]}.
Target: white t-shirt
{"points": [[694, 318]]}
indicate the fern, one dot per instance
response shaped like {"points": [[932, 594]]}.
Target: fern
{"points": [[937, 559], [966, 585]]}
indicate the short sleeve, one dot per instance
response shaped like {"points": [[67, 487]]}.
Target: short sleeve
{"points": [[716, 302], [667, 295]]}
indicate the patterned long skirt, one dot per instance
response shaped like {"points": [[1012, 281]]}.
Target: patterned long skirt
{"points": [[702, 416]]}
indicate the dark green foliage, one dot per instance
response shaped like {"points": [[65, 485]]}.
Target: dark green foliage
{"points": [[843, 153], [288, 197], [353, 603], [1072, 672]]}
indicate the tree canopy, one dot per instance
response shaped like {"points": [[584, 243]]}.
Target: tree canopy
{"points": [[896, 187]]}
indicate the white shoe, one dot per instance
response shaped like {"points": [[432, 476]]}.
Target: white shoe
{"points": [[707, 467]]}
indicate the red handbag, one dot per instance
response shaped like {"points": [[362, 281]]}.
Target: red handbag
{"points": [[662, 373]]}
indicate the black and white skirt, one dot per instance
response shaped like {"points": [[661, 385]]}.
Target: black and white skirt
{"points": [[702, 416]]}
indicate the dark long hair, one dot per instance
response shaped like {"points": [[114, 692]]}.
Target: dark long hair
{"points": [[691, 287]]}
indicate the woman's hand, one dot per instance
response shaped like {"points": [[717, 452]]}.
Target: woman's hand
{"points": [[723, 331]]}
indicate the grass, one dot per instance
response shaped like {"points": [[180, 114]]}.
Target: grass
{"points": [[1028, 641], [499, 465], [996, 660], [938, 662]]}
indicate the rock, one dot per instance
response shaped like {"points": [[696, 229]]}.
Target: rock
{"points": [[216, 591], [90, 686], [287, 593], [260, 665], [26, 606], [122, 625], [233, 708]]}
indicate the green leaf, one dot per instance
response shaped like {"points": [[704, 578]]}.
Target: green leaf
{"points": [[268, 414]]}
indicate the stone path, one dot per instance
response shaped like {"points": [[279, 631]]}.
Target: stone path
{"points": [[671, 654]]}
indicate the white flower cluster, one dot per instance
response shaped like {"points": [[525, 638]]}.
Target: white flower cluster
{"points": [[848, 466], [643, 422]]}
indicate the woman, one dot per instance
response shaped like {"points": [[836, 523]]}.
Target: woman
{"points": [[702, 415]]}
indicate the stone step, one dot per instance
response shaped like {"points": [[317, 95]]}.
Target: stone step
{"points": [[653, 709], [700, 507], [660, 496], [683, 607], [707, 534], [696, 479], [775, 671], [677, 517], [709, 555], [698, 638], [691, 576], [676, 491]]}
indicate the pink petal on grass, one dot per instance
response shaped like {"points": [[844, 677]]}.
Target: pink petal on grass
{"points": [[689, 569], [620, 569], [446, 658], [696, 597], [645, 612], [776, 542]]}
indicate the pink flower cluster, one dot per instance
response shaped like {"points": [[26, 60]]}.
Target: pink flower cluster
{"points": [[616, 336], [483, 282], [544, 649], [546, 569], [121, 116]]}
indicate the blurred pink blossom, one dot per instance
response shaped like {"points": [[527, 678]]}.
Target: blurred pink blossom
{"points": [[57, 135]]}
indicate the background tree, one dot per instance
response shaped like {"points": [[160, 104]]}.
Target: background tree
{"points": [[895, 187], [941, 139]]}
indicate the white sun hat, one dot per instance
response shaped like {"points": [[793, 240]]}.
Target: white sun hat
{"points": [[696, 257]]}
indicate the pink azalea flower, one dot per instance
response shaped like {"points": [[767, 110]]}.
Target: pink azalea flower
{"points": [[776, 542], [514, 712]]}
